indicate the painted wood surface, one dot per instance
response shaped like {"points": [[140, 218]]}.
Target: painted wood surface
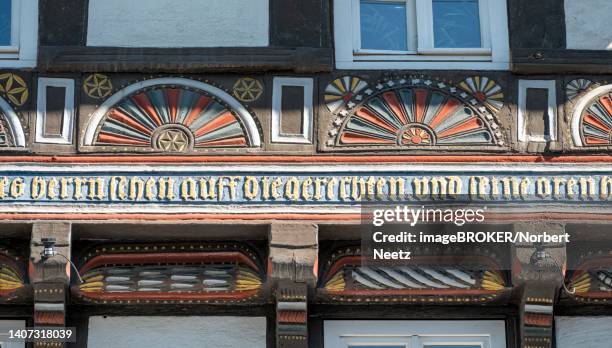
{"points": [[584, 332], [164, 23], [587, 24]]}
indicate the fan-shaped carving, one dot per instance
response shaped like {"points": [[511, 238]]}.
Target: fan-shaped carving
{"points": [[172, 115], [592, 118], [592, 280], [418, 115], [596, 122], [11, 131], [6, 137], [11, 278]]}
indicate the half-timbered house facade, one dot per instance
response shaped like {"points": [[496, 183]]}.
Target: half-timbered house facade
{"points": [[203, 165]]}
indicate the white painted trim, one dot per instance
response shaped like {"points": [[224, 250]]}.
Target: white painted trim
{"points": [[9, 49], [13, 123], [435, 56], [15, 23], [579, 109], [245, 116], [421, 65], [551, 87], [425, 35], [457, 51], [41, 112], [307, 119], [498, 29], [6, 325], [485, 23], [24, 36], [414, 333], [494, 55]]}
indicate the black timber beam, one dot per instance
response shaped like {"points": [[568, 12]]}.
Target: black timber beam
{"points": [[561, 61], [538, 41], [184, 60], [301, 23]]}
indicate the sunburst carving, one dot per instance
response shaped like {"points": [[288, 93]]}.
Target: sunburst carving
{"points": [[171, 119], [421, 114]]}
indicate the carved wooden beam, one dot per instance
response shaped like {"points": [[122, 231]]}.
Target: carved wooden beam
{"points": [[538, 269], [50, 276], [292, 266]]}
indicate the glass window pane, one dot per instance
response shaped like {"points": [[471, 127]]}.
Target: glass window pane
{"points": [[456, 24], [383, 25], [5, 22]]}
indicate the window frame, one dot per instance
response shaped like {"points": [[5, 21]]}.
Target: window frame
{"points": [[21, 53], [307, 113], [421, 54], [66, 134], [414, 333]]}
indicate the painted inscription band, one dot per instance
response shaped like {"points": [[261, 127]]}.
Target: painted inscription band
{"points": [[209, 185]]}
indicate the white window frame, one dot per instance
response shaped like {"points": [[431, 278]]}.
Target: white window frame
{"points": [[21, 53], [65, 137], [414, 333], [550, 86], [307, 121], [421, 54]]}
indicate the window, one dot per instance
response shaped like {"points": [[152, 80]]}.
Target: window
{"points": [[18, 33], [414, 334], [421, 34], [383, 26], [456, 24], [292, 110], [583, 331], [55, 111], [176, 331], [6, 33], [5, 326], [537, 111]]}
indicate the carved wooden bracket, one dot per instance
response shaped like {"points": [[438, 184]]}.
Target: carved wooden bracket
{"points": [[538, 269]]}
